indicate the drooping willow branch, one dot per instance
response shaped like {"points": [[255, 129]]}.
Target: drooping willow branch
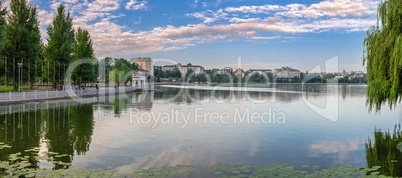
{"points": [[383, 56]]}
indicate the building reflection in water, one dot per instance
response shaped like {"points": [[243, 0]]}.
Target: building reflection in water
{"points": [[66, 127]]}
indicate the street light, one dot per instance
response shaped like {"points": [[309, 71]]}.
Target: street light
{"points": [[19, 74]]}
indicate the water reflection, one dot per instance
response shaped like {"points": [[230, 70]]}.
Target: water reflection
{"points": [[382, 151], [66, 130], [310, 91], [101, 127], [22, 131]]}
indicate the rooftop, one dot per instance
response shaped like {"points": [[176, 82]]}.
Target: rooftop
{"points": [[141, 59]]}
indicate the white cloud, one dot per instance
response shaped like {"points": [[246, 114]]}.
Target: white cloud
{"points": [[209, 16], [285, 21], [243, 20], [195, 3], [205, 4], [71, 1], [45, 18], [136, 5], [103, 6], [255, 9], [330, 8], [264, 37], [100, 9]]}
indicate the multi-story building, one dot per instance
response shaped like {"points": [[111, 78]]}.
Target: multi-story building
{"points": [[217, 71], [184, 68], [169, 67], [239, 72], [142, 78], [145, 64], [196, 68], [286, 73], [228, 70], [260, 71]]}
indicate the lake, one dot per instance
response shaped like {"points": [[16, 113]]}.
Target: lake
{"points": [[200, 125]]}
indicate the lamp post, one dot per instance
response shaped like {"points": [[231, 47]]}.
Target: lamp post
{"points": [[19, 75]]}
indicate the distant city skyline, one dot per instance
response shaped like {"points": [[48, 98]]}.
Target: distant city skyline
{"points": [[260, 66], [213, 33]]}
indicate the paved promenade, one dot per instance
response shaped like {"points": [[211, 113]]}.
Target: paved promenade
{"points": [[12, 97]]}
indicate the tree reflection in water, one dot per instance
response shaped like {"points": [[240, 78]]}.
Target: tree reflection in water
{"points": [[66, 130], [382, 151]]}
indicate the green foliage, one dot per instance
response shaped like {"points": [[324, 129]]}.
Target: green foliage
{"points": [[20, 166], [59, 47], [34, 43], [83, 73], [11, 88], [189, 75], [282, 170], [383, 56], [3, 26], [257, 78], [383, 151], [175, 171], [121, 72], [22, 40], [175, 73], [82, 122], [104, 69]]}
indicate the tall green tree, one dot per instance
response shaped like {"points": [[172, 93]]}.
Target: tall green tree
{"points": [[22, 40], [383, 56], [83, 49], [60, 46], [35, 46], [3, 23]]}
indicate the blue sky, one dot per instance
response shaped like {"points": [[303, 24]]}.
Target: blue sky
{"points": [[265, 33]]}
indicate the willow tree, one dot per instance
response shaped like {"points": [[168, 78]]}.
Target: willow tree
{"points": [[383, 56]]}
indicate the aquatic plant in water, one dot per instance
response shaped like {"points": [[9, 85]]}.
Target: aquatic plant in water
{"points": [[18, 165]]}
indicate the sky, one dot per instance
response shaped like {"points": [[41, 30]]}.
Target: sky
{"points": [[265, 34]]}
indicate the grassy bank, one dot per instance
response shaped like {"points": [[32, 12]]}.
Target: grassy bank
{"points": [[9, 88]]}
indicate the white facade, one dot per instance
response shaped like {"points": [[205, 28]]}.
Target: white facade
{"points": [[239, 72], [260, 71], [286, 72], [140, 80], [145, 63], [197, 69], [184, 68]]}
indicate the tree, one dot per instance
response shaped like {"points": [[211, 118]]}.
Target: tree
{"points": [[383, 56], [257, 78], [34, 43], [384, 150], [119, 71], [83, 73], [189, 75], [105, 66], [22, 40], [125, 67], [175, 73], [3, 25], [59, 48]]}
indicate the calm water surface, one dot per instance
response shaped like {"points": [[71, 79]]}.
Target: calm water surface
{"points": [[121, 133]]}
